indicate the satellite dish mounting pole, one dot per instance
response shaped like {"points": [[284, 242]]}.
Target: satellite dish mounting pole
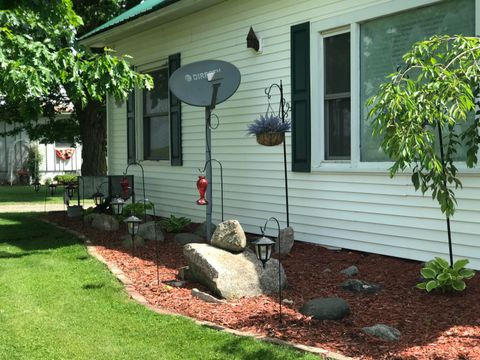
{"points": [[208, 162]]}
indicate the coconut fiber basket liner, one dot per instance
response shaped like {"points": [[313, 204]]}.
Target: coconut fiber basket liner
{"points": [[270, 139]]}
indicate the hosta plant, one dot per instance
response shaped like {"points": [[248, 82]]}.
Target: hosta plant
{"points": [[440, 276], [174, 224]]}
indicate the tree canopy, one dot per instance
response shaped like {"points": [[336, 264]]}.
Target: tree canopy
{"points": [[43, 67], [425, 114]]}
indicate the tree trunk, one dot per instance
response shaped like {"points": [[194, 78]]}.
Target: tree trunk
{"points": [[93, 134]]}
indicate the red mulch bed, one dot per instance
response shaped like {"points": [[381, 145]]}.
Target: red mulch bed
{"points": [[433, 326]]}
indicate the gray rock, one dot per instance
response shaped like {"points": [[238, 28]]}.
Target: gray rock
{"points": [[287, 301], [383, 332], [286, 241], [104, 222], [147, 231], [184, 273], [333, 308], [350, 271], [176, 283], [230, 236], [128, 243], [201, 230], [360, 286], [232, 276], [74, 211], [206, 297], [187, 238]]}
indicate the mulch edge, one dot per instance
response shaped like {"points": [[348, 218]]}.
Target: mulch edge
{"points": [[135, 295]]}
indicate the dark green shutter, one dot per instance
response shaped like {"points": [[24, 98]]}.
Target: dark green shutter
{"points": [[300, 72], [175, 117]]}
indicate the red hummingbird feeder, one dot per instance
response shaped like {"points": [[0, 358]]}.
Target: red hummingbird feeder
{"points": [[202, 185], [125, 187]]}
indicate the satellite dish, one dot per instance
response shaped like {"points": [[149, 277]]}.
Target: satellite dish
{"points": [[205, 83]]}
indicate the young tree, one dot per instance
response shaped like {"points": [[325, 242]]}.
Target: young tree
{"points": [[425, 114], [43, 67]]}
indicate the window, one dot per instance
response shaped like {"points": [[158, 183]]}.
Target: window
{"points": [[354, 53], [337, 96], [383, 42], [156, 119], [131, 151]]}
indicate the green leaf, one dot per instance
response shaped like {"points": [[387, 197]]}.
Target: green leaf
{"points": [[467, 273], [442, 262], [431, 285], [459, 264], [459, 285], [428, 273], [421, 286]]}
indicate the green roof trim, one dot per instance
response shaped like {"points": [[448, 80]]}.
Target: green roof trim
{"points": [[141, 9]]}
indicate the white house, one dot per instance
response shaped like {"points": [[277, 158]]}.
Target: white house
{"points": [[56, 158], [330, 56]]}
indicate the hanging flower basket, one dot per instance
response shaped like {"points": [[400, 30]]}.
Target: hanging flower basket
{"points": [[269, 130], [270, 138]]}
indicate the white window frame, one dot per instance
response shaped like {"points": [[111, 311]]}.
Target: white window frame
{"points": [[350, 21]]}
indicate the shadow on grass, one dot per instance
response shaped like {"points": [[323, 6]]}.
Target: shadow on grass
{"points": [[16, 230]]}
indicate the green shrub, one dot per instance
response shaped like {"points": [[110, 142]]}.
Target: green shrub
{"points": [[174, 224], [440, 276], [66, 178], [137, 209], [34, 159]]}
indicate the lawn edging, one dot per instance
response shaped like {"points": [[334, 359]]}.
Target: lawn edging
{"points": [[135, 295]]}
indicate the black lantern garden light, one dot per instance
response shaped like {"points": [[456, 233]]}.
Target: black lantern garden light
{"points": [[53, 188], [133, 223], [263, 250], [36, 185], [70, 190], [99, 197], [117, 205]]}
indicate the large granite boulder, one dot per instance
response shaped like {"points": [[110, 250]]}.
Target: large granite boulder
{"points": [[286, 241], [104, 222], [128, 242], [232, 276], [230, 236], [147, 231], [332, 308]]}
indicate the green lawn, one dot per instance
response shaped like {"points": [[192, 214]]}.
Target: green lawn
{"points": [[18, 194], [56, 302]]}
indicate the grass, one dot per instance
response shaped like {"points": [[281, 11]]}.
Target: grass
{"points": [[17, 195], [56, 302]]}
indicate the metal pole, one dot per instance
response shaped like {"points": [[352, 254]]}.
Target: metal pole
{"points": [[282, 110], [208, 157], [442, 157]]}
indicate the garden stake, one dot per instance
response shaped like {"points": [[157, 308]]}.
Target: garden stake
{"points": [[283, 109], [442, 157]]}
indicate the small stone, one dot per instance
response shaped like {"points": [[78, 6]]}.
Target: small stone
{"points": [[327, 270], [350, 271], [286, 241], [360, 286], [383, 332], [333, 308], [176, 283], [206, 297], [187, 238], [287, 301]]}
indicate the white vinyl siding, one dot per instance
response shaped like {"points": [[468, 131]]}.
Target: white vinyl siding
{"points": [[355, 206]]}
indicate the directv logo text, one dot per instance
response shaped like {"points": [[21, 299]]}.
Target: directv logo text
{"points": [[200, 76]]}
